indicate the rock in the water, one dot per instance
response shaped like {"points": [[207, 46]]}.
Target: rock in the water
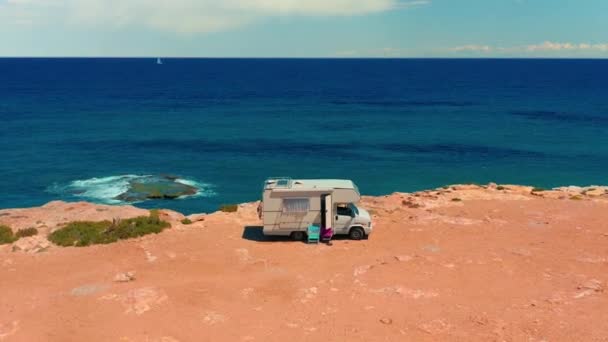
{"points": [[154, 187], [32, 244]]}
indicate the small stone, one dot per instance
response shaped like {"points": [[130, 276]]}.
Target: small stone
{"points": [[197, 217], [32, 244], [432, 248], [87, 290], [592, 284], [150, 257], [386, 320], [403, 258], [212, 317], [124, 277]]}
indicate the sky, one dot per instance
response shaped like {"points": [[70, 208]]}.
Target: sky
{"points": [[305, 28]]}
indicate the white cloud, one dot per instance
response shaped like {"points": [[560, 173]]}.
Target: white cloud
{"points": [[557, 46], [189, 16], [346, 53], [546, 47], [472, 48]]}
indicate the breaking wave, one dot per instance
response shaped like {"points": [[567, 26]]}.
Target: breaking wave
{"points": [[203, 189]]}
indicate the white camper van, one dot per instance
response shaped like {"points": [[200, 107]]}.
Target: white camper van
{"points": [[289, 206]]}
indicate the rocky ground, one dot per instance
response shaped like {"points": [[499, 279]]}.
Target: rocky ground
{"points": [[492, 263]]}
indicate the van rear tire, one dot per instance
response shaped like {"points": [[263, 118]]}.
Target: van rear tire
{"points": [[297, 236], [356, 233]]}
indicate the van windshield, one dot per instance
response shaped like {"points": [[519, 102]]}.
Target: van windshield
{"points": [[354, 209]]}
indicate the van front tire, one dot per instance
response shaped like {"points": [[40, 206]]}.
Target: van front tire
{"points": [[356, 233]]}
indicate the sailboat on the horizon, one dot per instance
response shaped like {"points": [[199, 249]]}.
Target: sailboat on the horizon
{"points": [[159, 61]]}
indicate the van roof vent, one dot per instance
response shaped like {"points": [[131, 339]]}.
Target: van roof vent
{"points": [[283, 183], [280, 182]]}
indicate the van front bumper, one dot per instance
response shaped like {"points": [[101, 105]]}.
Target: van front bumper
{"points": [[368, 230]]}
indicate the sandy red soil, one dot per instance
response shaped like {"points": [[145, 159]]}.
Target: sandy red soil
{"points": [[498, 265]]}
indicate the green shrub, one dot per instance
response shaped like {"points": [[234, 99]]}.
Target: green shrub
{"points": [[500, 187], [229, 208], [26, 232], [82, 233], [576, 198], [155, 215], [6, 235], [186, 221], [85, 233], [456, 199], [538, 189]]}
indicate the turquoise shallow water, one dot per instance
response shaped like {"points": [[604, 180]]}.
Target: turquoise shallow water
{"points": [[77, 129]]}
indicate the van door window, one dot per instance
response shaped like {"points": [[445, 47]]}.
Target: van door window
{"points": [[344, 210], [343, 218]]}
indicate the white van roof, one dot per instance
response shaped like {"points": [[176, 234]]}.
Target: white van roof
{"points": [[310, 184]]}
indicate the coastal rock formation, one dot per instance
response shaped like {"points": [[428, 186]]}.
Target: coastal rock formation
{"points": [[156, 187], [464, 262], [56, 214]]}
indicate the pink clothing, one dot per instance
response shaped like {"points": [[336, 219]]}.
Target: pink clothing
{"points": [[326, 233]]}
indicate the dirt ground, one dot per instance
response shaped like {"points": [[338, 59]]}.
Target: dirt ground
{"points": [[464, 263]]}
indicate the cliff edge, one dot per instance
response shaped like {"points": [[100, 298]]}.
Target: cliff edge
{"points": [[463, 262]]}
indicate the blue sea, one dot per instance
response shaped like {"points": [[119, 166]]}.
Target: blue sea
{"points": [[79, 129]]}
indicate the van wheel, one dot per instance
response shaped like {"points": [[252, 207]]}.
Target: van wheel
{"points": [[297, 236], [356, 233]]}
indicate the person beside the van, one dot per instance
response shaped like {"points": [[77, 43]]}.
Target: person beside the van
{"points": [[326, 234]]}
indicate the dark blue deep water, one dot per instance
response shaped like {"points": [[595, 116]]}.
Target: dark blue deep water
{"points": [[72, 128]]}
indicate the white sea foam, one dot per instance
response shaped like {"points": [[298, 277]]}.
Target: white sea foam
{"points": [[106, 189], [203, 189]]}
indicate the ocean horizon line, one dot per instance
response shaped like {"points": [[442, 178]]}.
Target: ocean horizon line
{"points": [[303, 58]]}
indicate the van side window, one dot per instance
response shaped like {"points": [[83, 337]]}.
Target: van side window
{"points": [[296, 205]]}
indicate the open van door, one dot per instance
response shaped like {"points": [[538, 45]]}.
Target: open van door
{"points": [[327, 212]]}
